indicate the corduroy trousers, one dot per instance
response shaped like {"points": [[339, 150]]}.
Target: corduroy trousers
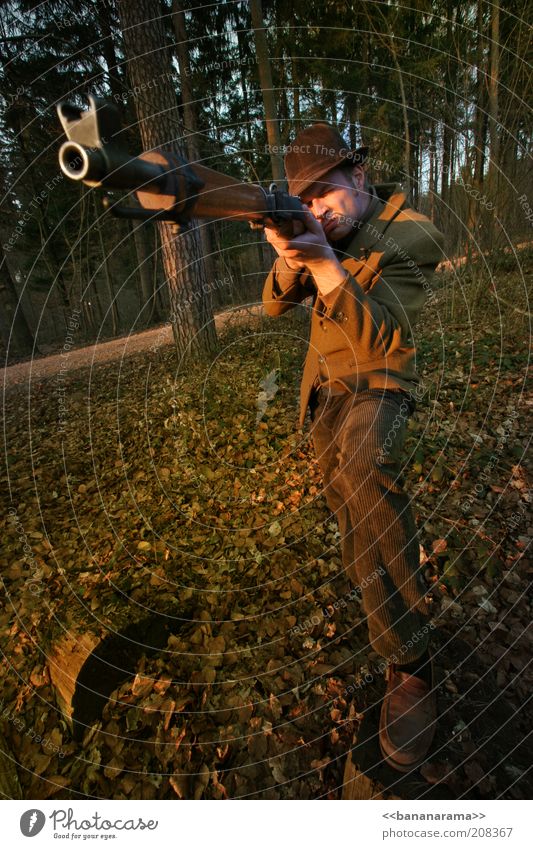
{"points": [[358, 439]]}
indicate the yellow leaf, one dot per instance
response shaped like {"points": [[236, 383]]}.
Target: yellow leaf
{"points": [[439, 545], [274, 529]]}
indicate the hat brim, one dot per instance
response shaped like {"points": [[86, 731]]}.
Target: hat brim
{"points": [[305, 181]]}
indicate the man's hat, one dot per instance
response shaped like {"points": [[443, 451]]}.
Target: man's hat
{"points": [[315, 151]]}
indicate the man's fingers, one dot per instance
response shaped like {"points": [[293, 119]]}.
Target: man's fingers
{"points": [[307, 241], [275, 239], [298, 227], [311, 222]]}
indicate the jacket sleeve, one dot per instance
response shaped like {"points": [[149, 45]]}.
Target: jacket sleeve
{"points": [[284, 288], [381, 301]]}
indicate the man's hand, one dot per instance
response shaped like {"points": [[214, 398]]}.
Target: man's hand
{"points": [[310, 249], [310, 243]]}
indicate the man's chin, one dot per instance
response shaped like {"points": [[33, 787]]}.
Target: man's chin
{"points": [[339, 232]]}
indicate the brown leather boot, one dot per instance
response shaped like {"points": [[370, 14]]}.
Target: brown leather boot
{"points": [[408, 718]]}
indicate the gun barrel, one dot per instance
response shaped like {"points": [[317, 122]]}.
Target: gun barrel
{"points": [[113, 169], [166, 185]]}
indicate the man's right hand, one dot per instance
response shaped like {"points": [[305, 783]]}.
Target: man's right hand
{"points": [[307, 245], [279, 241], [310, 249]]}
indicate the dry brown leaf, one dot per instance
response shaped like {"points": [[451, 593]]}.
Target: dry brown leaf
{"points": [[180, 785], [202, 781], [439, 546], [163, 684], [142, 685], [114, 767]]}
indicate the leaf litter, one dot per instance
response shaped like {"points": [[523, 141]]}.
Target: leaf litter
{"points": [[168, 491]]}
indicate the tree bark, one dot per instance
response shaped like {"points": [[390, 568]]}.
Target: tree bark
{"points": [[148, 301], [150, 68], [88, 660], [113, 309], [493, 86], [244, 86], [19, 335], [48, 250], [405, 116], [432, 171], [191, 120], [103, 13], [269, 100], [480, 100], [295, 88]]}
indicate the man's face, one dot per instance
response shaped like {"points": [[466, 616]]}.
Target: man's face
{"points": [[337, 201]]}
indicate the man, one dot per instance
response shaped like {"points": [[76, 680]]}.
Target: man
{"points": [[368, 260]]}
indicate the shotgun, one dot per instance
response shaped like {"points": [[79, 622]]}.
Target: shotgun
{"points": [[167, 186]]}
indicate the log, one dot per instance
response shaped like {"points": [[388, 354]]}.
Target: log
{"points": [[363, 760], [357, 785], [9, 780], [65, 662], [86, 665]]}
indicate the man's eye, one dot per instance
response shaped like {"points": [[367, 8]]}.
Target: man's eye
{"points": [[317, 196], [325, 191]]}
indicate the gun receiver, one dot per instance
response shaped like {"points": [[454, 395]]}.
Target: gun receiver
{"points": [[167, 187]]}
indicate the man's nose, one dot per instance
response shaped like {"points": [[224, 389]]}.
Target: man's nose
{"points": [[318, 207]]}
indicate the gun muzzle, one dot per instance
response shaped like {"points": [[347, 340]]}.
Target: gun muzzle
{"points": [[109, 168]]}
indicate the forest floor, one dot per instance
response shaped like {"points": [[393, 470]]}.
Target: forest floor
{"points": [[38, 368], [193, 491]]}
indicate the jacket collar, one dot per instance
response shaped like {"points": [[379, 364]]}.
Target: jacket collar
{"points": [[384, 206]]}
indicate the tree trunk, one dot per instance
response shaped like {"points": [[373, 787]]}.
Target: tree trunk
{"points": [[449, 113], [283, 86], [145, 263], [473, 206], [480, 101], [191, 122], [148, 61], [103, 13], [405, 115], [187, 94], [367, 85], [445, 171], [432, 171], [269, 101], [493, 88], [48, 250], [113, 309], [19, 336], [352, 118], [245, 98], [295, 88]]}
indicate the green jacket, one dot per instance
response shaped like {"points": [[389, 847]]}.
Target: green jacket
{"points": [[364, 340]]}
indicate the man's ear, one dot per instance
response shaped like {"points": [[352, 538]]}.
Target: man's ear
{"points": [[358, 177]]}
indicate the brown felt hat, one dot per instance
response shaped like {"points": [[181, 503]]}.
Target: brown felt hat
{"points": [[315, 151]]}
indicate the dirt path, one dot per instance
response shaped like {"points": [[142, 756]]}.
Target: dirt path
{"points": [[101, 352]]}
